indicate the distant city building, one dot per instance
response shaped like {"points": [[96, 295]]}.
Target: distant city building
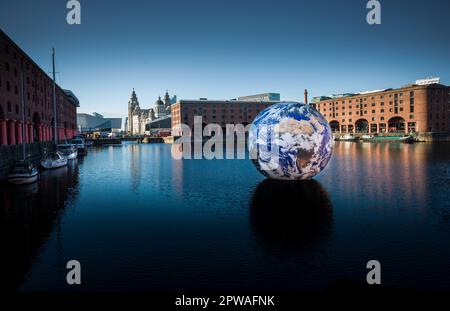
{"points": [[221, 112], [37, 118], [96, 122], [428, 81], [159, 126], [138, 118], [265, 97], [173, 100], [423, 107], [126, 124]]}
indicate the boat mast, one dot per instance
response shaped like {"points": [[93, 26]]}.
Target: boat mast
{"points": [[54, 99], [23, 109]]}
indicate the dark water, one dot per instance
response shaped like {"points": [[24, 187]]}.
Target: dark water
{"points": [[138, 220]]}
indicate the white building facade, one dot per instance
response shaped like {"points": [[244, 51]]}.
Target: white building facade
{"points": [[138, 119]]}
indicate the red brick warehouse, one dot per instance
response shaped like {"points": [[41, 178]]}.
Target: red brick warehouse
{"points": [[38, 100]]}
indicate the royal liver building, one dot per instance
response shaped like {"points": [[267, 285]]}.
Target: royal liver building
{"points": [[138, 118]]}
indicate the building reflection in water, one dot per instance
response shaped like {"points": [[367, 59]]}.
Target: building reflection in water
{"points": [[291, 216], [177, 169], [380, 173], [28, 216], [135, 151]]}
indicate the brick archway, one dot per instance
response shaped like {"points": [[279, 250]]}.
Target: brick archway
{"points": [[362, 126], [335, 127], [396, 124]]}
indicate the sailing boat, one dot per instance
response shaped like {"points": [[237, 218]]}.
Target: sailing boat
{"points": [[54, 159], [22, 173]]}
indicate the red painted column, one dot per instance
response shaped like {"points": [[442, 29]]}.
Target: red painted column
{"points": [[26, 133], [47, 133], [12, 133], [4, 138], [44, 131], [40, 132], [19, 132], [30, 133]]}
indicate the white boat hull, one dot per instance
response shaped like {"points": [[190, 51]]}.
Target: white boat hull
{"points": [[71, 156], [23, 179], [48, 164]]}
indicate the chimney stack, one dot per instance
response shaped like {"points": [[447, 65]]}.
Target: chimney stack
{"points": [[306, 96]]}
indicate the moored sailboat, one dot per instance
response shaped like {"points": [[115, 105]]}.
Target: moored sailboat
{"points": [[22, 174], [68, 151], [80, 144], [53, 160]]}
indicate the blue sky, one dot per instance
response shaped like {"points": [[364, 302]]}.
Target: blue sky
{"points": [[224, 49]]}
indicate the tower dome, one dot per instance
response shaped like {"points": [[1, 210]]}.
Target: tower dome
{"points": [[160, 109], [159, 102], [167, 99]]}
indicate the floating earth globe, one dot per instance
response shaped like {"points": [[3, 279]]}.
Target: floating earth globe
{"points": [[290, 141]]}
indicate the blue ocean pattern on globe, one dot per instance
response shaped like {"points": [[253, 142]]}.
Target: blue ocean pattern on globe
{"points": [[290, 141]]}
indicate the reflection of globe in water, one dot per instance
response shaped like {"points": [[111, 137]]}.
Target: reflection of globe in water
{"points": [[291, 215], [290, 141]]}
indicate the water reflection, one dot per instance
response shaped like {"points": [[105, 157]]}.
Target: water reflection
{"points": [[291, 216], [382, 174], [28, 216]]}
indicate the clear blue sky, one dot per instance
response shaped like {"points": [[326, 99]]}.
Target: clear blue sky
{"points": [[224, 49]]}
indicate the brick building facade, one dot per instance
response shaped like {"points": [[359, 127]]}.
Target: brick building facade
{"points": [[413, 108], [36, 88], [220, 112]]}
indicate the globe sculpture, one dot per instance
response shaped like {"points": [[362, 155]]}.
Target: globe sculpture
{"points": [[290, 141]]}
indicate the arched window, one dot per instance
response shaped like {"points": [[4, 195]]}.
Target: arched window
{"points": [[362, 126], [396, 124], [334, 126]]}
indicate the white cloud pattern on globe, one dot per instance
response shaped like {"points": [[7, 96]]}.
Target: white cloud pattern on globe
{"points": [[290, 141]]}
